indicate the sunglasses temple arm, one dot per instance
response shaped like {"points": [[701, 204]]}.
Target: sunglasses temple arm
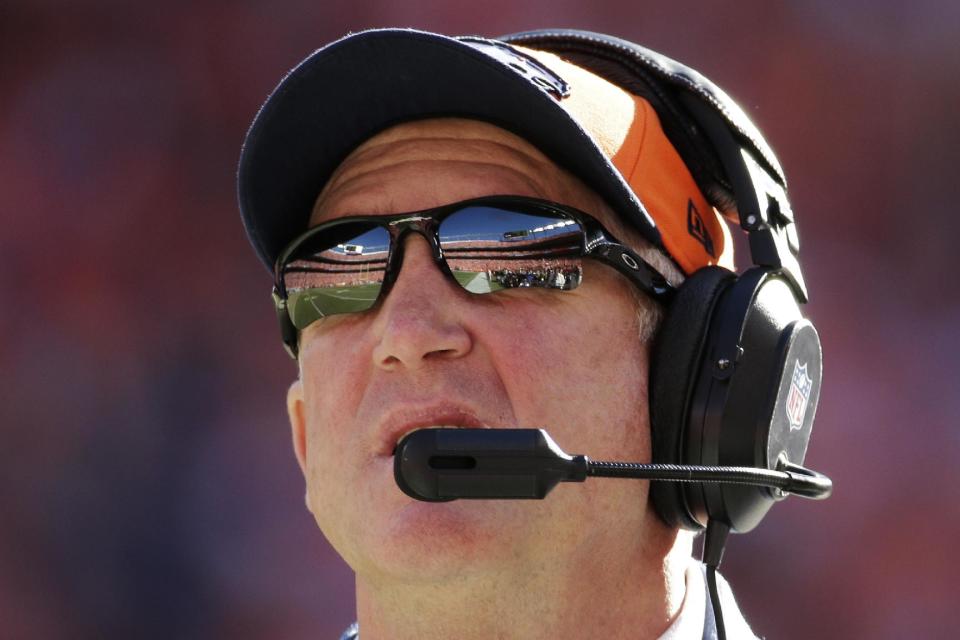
{"points": [[639, 271], [288, 332]]}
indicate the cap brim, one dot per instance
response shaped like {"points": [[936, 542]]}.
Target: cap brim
{"points": [[350, 90]]}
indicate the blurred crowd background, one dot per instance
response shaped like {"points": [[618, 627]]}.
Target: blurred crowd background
{"points": [[148, 489]]}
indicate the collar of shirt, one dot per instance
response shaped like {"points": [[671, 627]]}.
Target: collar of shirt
{"points": [[695, 619]]}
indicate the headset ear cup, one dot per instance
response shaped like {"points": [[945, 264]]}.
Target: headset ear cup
{"points": [[674, 366]]}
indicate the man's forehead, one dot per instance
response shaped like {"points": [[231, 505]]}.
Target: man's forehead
{"points": [[428, 163], [440, 139]]}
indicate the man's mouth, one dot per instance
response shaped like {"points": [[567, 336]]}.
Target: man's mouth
{"points": [[414, 429], [401, 423]]}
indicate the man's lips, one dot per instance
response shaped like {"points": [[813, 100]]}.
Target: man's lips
{"points": [[400, 422]]}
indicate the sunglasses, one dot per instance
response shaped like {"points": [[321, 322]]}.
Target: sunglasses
{"points": [[485, 245]]}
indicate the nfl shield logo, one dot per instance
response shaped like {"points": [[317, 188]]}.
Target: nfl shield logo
{"points": [[800, 388]]}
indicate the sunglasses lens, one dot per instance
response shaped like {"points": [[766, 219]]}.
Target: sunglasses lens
{"points": [[339, 270], [488, 249]]}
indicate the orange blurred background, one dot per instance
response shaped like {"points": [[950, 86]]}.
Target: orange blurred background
{"points": [[148, 488]]}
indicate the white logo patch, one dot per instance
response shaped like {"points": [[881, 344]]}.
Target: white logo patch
{"points": [[800, 387]]}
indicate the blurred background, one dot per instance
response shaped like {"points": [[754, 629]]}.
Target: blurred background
{"points": [[148, 487]]}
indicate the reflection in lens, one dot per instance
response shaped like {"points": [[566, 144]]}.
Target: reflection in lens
{"points": [[488, 249], [338, 270]]}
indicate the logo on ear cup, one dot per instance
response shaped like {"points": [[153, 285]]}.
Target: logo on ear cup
{"points": [[698, 229], [800, 387]]}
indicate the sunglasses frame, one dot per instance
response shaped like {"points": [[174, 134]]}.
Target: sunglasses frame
{"points": [[598, 244]]}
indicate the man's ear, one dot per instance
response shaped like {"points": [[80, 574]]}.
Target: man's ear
{"points": [[298, 423]]}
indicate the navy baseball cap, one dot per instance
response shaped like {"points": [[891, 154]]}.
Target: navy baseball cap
{"points": [[606, 135]]}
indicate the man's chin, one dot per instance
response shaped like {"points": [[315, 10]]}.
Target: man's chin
{"points": [[433, 541], [393, 534]]}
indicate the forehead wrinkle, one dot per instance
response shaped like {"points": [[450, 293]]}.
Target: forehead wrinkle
{"points": [[349, 183], [441, 137], [366, 185], [379, 153]]}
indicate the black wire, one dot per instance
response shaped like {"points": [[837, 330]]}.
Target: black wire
{"points": [[715, 601]]}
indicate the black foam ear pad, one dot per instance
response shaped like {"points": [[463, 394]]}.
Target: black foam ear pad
{"points": [[674, 366]]}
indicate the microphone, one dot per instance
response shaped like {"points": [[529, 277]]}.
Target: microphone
{"points": [[438, 465]]}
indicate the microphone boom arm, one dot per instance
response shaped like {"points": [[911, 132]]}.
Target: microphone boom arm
{"points": [[790, 478], [446, 464]]}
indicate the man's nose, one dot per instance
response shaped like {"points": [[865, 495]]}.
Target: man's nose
{"points": [[421, 318]]}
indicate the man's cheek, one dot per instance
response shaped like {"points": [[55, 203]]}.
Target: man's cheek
{"points": [[324, 433], [332, 390]]}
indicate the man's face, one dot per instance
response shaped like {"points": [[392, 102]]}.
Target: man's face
{"points": [[433, 354]]}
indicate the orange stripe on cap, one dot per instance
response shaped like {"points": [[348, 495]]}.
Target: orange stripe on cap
{"points": [[628, 131]]}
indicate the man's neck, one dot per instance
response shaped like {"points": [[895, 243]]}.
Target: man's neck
{"points": [[634, 595]]}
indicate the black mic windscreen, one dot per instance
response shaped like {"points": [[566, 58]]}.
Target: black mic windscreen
{"points": [[445, 464]]}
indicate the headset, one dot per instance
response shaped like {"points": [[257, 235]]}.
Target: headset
{"points": [[735, 368]]}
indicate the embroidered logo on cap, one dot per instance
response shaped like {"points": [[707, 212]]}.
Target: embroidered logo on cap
{"points": [[698, 229], [526, 65]]}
